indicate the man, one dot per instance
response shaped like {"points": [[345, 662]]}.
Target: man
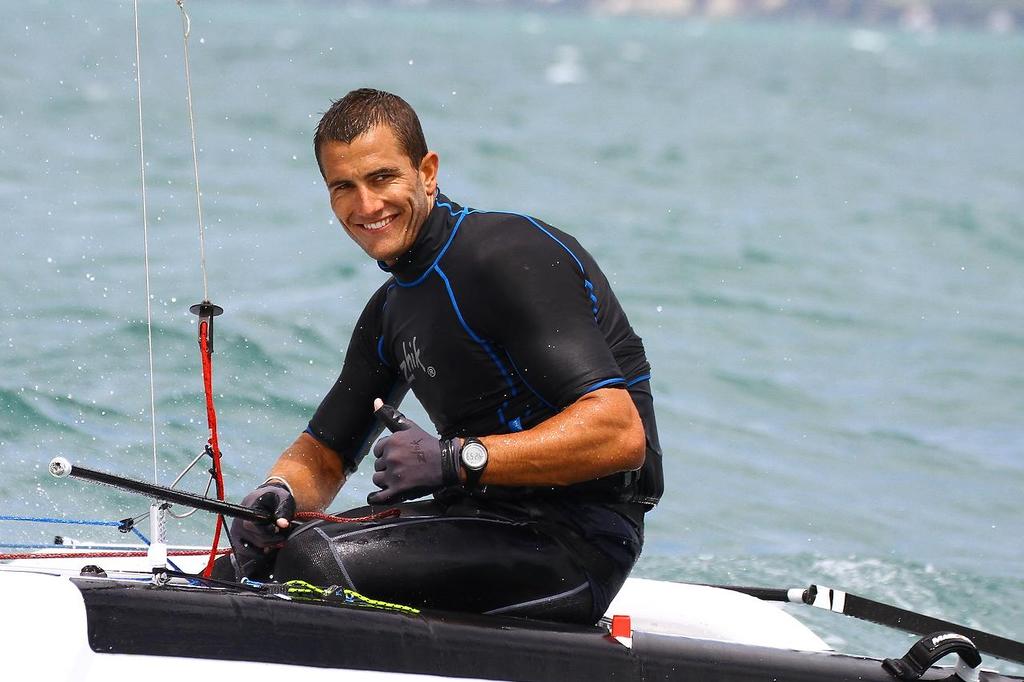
{"points": [[508, 334]]}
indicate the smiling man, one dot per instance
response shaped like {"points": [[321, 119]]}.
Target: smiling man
{"points": [[381, 198], [545, 457]]}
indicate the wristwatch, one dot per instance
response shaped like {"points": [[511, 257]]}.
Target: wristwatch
{"points": [[473, 458]]}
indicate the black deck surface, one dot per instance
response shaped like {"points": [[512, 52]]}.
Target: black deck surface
{"points": [[197, 622]]}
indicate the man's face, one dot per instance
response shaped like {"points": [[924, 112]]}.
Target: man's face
{"points": [[380, 198]]}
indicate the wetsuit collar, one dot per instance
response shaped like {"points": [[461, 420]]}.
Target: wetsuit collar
{"points": [[433, 236]]}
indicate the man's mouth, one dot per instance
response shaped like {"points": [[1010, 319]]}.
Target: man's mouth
{"points": [[379, 224]]}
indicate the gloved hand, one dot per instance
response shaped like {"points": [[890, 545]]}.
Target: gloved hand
{"points": [[253, 543], [409, 463]]}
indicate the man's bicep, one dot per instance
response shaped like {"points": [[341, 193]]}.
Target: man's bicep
{"points": [[561, 363], [546, 321]]}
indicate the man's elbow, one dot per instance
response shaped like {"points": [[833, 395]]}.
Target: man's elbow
{"points": [[623, 442], [631, 440], [634, 448]]}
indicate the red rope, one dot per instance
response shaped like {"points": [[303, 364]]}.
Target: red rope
{"points": [[103, 555], [211, 420], [386, 514]]}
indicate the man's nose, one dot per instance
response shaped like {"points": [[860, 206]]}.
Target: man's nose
{"points": [[369, 202]]}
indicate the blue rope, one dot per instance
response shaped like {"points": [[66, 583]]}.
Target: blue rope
{"points": [[76, 522], [43, 519]]}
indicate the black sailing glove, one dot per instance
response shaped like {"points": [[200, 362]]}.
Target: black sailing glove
{"points": [[252, 542], [410, 463]]}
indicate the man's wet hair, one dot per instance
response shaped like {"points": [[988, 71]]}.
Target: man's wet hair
{"points": [[366, 108]]}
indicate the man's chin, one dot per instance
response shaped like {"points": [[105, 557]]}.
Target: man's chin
{"points": [[386, 247], [387, 256]]}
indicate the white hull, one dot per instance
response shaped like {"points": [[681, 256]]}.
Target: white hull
{"points": [[69, 627], [46, 624]]}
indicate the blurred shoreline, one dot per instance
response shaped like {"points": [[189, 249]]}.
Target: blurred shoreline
{"points": [[919, 16]]}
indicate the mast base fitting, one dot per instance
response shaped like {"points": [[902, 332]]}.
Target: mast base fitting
{"points": [[206, 309], [206, 312]]}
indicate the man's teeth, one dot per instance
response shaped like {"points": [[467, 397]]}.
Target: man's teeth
{"points": [[379, 224]]}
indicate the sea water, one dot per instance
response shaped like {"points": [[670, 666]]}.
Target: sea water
{"points": [[817, 229]]}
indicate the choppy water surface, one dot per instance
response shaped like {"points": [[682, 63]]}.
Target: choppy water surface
{"points": [[817, 231]]}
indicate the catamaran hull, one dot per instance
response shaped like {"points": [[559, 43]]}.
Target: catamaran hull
{"points": [[80, 628]]}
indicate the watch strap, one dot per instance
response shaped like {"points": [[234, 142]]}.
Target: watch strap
{"points": [[450, 463], [472, 475]]}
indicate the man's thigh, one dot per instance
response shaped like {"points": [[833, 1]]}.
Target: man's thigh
{"points": [[427, 558]]}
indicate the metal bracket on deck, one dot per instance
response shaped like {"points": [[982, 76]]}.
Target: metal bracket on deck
{"points": [[929, 650]]}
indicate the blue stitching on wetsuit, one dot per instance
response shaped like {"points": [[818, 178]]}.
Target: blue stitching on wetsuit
{"points": [[583, 271], [455, 306], [380, 341], [426, 273], [483, 344], [637, 380], [526, 383], [445, 204], [602, 384], [590, 287], [541, 228]]}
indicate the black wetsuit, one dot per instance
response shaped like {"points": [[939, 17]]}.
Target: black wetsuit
{"points": [[496, 321]]}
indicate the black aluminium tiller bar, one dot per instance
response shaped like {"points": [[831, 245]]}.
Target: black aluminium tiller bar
{"points": [[160, 492]]}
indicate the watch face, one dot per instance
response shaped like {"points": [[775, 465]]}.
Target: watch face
{"points": [[474, 456]]}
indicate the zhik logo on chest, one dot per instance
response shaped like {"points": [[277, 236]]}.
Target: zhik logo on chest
{"points": [[411, 361]]}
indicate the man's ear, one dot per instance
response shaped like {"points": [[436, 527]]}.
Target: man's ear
{"points": [[428, 171]]}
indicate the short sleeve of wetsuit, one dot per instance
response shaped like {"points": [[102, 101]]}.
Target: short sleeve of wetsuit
{"points": [[540, 301], [344, 421]]}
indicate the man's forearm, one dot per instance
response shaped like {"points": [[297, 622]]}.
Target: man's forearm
{"points": [[313, 471], [598, 435]]}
